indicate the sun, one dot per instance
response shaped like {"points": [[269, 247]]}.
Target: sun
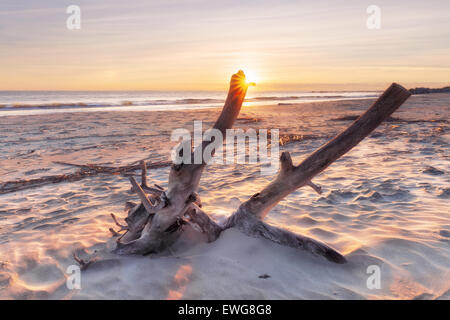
{"points": [[251, 77]]}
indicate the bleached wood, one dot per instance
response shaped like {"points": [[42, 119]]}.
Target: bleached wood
{"points": [[200, 221], [164, 227], [152, 228], [149, 206], [252, 226], [143, 174]]}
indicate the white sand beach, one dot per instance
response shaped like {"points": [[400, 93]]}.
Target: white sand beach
{"points": [[385, 203]]}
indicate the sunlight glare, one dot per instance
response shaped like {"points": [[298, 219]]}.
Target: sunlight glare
{"points": [[251, 77]]}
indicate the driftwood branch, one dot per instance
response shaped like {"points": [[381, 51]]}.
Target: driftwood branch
{"points": [[165, 226], [249, 215], [153, 226], [291, 177], [201, 222], [149, 206], [143, 174], [252, 226], [84, 171]]}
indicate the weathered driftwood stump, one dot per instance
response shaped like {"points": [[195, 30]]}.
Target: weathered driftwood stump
{"points": [[158, 220]]}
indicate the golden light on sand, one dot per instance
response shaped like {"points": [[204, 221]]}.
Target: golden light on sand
{"points": [[180, 282]]}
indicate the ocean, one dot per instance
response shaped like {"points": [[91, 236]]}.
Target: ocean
{"points": [[44, 102]]}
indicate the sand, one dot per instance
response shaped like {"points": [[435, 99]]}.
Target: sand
{"points": [[384, 204]]}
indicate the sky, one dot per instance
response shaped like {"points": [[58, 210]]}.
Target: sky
{"points": [[198, 44]]}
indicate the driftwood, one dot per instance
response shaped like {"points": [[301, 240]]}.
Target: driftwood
{"points": [[84, 171], [158, 221]]}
